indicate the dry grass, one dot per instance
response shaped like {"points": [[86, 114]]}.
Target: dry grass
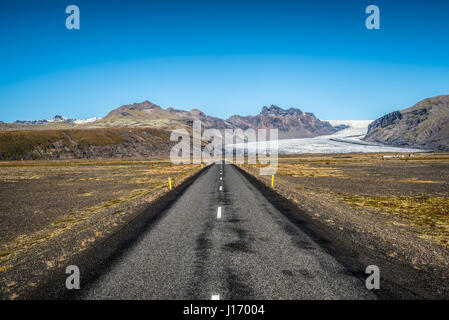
{"points": [[425, 215], [307, 170], [86, 189], [414, 180], [410, 190]]}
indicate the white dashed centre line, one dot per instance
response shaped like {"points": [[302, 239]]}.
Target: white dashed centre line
{"points": [[217, 296]]}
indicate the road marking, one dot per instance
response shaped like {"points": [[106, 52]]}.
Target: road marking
{"points": [[221, 178], [221, 188], [219, 213], [215, 297]]}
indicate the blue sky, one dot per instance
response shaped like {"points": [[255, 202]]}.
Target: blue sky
{"points": [[224, 57]]}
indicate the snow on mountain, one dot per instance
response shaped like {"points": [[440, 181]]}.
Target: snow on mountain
{"points": [[81, 121], [58, 118]]}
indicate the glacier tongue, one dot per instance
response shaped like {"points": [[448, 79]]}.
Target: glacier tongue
{"points": [[348, 140]]}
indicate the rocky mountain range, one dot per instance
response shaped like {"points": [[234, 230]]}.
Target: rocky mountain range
{"points": [[424, 125], [292, 122], [143, 129], [138, 130]]}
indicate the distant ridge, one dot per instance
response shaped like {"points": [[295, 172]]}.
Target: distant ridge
{"points": [[55, 119], [291, 122]]}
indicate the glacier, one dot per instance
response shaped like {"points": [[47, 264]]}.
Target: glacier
{"points": [[348, 140]]}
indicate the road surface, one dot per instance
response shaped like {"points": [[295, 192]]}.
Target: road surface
{"points": [[222, 239]]}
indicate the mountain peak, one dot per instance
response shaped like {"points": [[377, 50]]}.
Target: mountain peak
{"points": [[145, 105], [274, 110], [149, 105], [291, 123]]}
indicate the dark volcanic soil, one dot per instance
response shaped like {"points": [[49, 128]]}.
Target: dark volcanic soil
{"points": [[51, 211], [377, 177], [390, 210]]}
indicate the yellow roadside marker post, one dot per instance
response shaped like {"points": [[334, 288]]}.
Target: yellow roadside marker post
{"points": [[272, 181], [169, 182]]}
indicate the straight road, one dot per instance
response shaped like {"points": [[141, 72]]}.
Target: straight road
{"points": [[223, 239]]}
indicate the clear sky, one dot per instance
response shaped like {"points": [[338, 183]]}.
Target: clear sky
{"points": [[223, 57]]}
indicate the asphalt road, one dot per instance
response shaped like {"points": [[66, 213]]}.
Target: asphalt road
{"points": [[222, 238]]}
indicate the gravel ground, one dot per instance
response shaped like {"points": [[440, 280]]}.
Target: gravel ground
{"points": [[412, 265], [51, 211]]}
